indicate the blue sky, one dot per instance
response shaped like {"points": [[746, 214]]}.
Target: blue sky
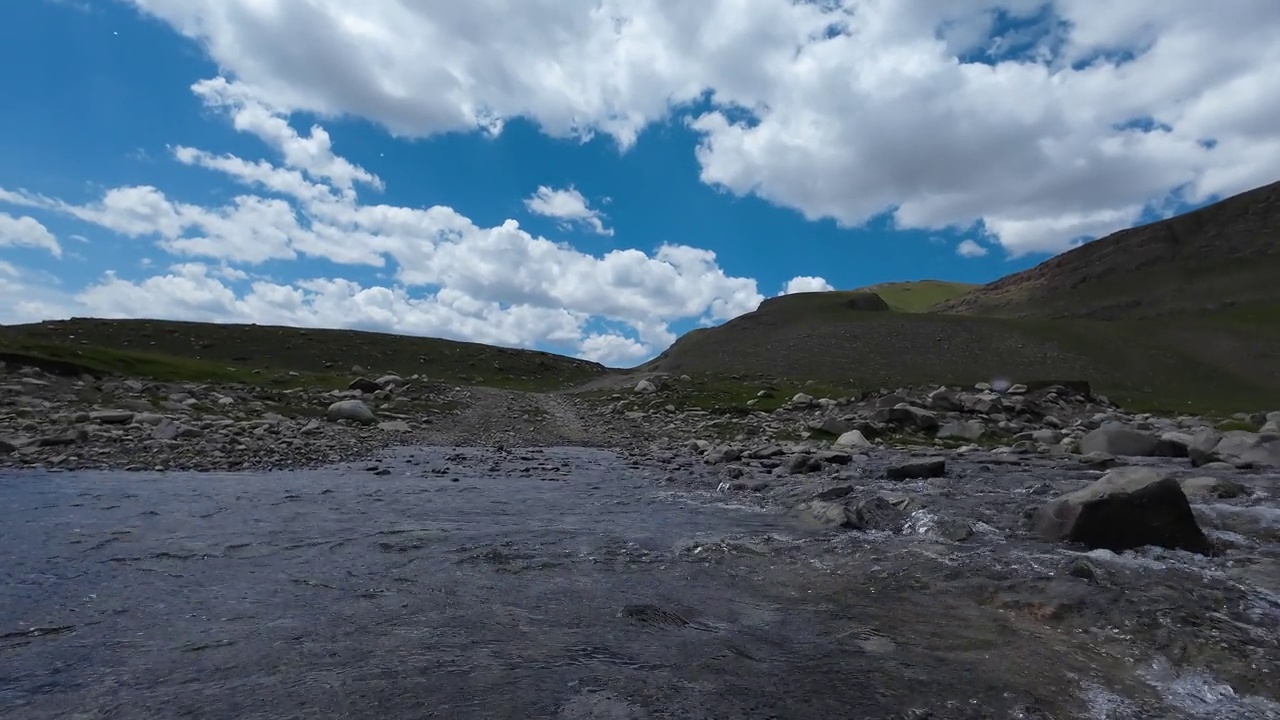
{"points": [[661, 179]]}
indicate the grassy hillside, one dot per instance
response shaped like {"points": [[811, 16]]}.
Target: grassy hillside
{"points": [[253, 353], [919, 295], [1211, 362]]}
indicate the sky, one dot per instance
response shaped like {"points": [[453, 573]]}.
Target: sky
{"points": [[595, 177]]}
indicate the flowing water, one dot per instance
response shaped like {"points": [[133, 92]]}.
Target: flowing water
{"points": [[562, 583]]}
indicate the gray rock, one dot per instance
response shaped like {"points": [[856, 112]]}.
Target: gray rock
{"points": [[852, 439], [395, 426], [1115, 439], [171, 430], [390, 380], [962, 430], [835, 493], [825, 514], [831, 426], [1046, 436], [876, 513], [723, 455], [916, 469], [945, 400], [834, 457], [802, 400], [1099, 460], [803, 463], [1202, 445], [1127, 508], [69, 438], [1212, 487], [906, 415], [364, 385], [645, 387], [768, 451], [111, 417], [1248, 450], [351, 410]]}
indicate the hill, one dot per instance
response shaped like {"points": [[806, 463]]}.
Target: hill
{"points": [[1177, 315], [1204, 364], [1225, 256], [169, 350]]}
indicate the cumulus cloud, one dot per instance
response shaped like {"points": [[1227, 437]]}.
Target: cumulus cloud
{"points": [[27, 232], [970, 249], [452, 278], [1047, 121], [568, 205], [804, 284]]}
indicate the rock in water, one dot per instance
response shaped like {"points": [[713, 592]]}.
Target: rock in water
{"points": [[927, 468], [1247, 450], [351, 410], [1127, 508]]}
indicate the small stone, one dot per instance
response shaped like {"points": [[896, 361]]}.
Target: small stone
{"points": [[111, 417]]}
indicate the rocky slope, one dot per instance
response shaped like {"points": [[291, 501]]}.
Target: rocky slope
{"points": [[1223, 255]]}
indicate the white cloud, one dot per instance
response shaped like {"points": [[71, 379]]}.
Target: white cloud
{"points": [[804, 284], [614, 350], [27, 232], [843, 109], [452, 278], [970, 249], [568, 205]]}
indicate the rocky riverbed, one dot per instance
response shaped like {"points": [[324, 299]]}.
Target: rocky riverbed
{"points": [[1011, 552]]}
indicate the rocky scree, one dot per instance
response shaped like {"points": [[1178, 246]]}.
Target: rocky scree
{"points": [[87, 422]]}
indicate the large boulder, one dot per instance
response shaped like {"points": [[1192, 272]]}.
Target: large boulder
{"points": [[1247, 450], [354, 410], [1116, 439], [1127, 508]]}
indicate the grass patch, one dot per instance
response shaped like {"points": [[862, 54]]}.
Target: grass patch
{"points": [[741, 396], [919, 295]]}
